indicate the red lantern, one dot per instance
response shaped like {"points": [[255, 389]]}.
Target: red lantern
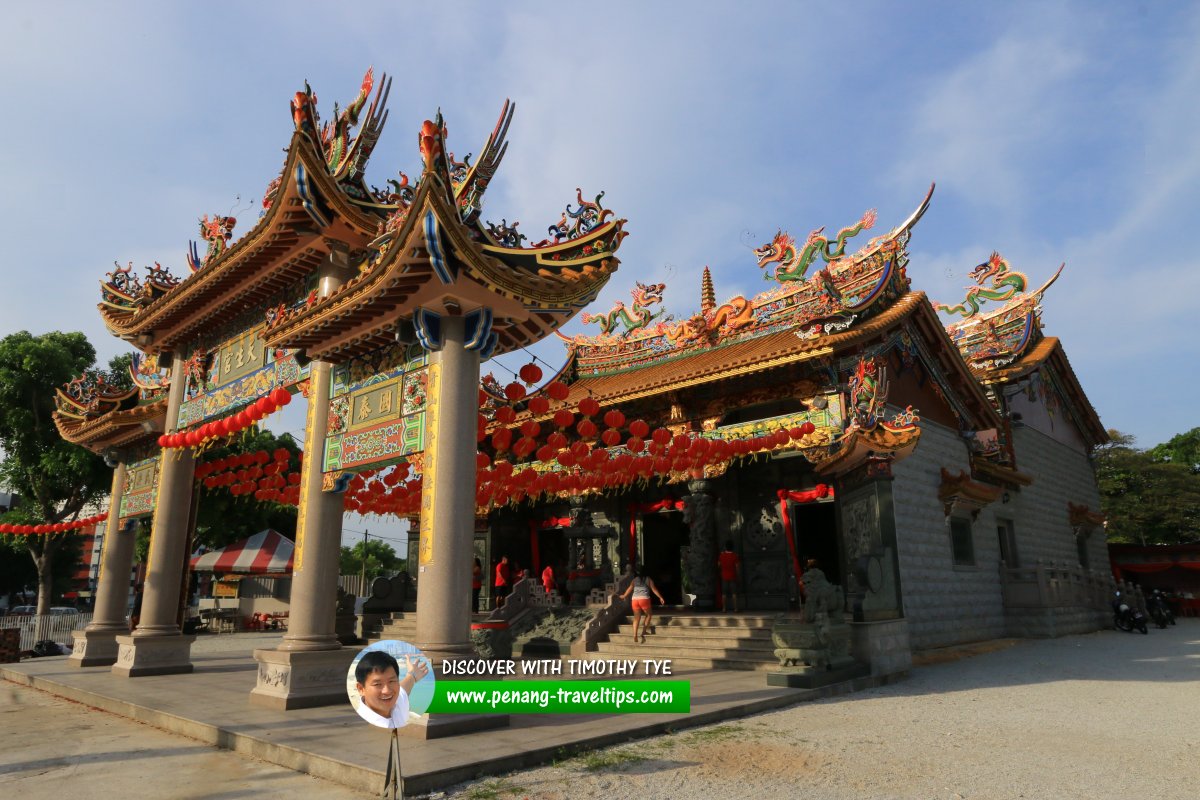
{"points": [[530, 428], [563, 418], [280, 396], [162, 440], [589, 407], [531, 373], [808, 428], [481, 462], [501, 439], [514, 391], [614, 419], [558, 390], [586, 429], [524, 446], [639, 428], [539, 405], [505, 415], [611, 436], [635, 444], [661, 436], [254, 412], [566, 458]]}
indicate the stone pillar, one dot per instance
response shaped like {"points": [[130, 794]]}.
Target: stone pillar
{"points": [[448, 522], [157, 647], [702, 548], [309, 666], [448, 503], [96, 645], [869, 544]]}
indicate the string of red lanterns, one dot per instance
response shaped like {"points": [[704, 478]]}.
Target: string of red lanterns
{"points": [[235, 423], [57, 527]]}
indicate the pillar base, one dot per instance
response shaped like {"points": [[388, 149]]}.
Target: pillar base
{"points": [[437, 726], [95, 648], [290, 679], [884, 645], [153, 655]]}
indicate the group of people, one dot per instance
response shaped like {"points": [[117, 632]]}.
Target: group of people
{"points": [[506, 575]]}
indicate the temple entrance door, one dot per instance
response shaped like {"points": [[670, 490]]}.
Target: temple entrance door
{"points": [[663, 537], [552, 551], [814, 526], [766, 561]]}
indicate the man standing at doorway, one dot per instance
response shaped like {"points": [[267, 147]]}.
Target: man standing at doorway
{"points": [[503, 581], [730, 567]]}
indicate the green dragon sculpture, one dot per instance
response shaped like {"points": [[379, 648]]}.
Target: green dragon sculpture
{"points": [[793, 263], [1006, 284], [643, 297]]}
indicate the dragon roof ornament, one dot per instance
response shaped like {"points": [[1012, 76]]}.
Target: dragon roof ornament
{"points": [[793, 262], [123, 291], [847, 291], [345, 153], [994, 339], [463, 183]]}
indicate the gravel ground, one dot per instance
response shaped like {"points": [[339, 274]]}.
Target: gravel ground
{"points": [[1105, 715]]}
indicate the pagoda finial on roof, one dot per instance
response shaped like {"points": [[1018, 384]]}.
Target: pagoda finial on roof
{"points": [[708, 298]]}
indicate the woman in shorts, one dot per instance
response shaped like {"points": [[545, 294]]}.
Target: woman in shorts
{"points": [[641, 587]]}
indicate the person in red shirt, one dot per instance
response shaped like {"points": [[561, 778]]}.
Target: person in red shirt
{"points": [[476, 585], [502, 583], [548, 579], [730, 567]]}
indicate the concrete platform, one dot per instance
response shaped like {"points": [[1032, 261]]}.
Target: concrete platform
{"points": [[212, 706]]}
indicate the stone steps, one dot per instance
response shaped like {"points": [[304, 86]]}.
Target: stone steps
{"points": [[698, 641]]}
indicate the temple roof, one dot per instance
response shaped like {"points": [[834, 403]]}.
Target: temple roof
{"points": [[318, 202], [1049, 353], [840, 297], [115, 428], [759, 354], [435, 256], [307, 215], [1004, 345]]}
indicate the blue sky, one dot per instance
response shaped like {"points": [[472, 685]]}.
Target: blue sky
{"points": [[1055, 132]]}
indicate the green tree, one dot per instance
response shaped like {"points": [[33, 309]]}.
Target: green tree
{"points": [[380, 558], [55, 479], [1146, 500], [1182, 449]]}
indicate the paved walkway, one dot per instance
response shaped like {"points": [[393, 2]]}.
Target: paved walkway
{"points": [[54, 748], [212, 706]]}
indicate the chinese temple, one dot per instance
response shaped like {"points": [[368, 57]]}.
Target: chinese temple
{"points": [[930, 469], [924, 466]]}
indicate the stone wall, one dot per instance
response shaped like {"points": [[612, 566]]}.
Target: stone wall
{"points": [[944, 603], [1061, 474]]}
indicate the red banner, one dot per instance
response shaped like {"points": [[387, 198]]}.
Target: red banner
{"points": [[820, 492]]}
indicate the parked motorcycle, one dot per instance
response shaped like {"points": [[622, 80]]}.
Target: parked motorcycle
{"points": [[1126, 617], [1159, 610]]}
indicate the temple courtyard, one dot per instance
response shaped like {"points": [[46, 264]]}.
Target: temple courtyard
{"points": [[1093, 716]]}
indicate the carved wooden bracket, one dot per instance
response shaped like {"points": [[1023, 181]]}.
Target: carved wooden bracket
{"points": [[1083, 520], [959, 493]]}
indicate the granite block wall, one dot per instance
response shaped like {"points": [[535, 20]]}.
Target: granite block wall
{"points": [[944, 603], [1061, 474]]}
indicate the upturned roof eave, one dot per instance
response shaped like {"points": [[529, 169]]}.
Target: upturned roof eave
{"points": [[155, 321]]}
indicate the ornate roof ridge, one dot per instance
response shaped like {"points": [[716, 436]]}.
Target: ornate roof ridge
{"points": [[850, 289]]}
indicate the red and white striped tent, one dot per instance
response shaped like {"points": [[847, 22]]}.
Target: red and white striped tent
{"points": [[266, 552]]}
